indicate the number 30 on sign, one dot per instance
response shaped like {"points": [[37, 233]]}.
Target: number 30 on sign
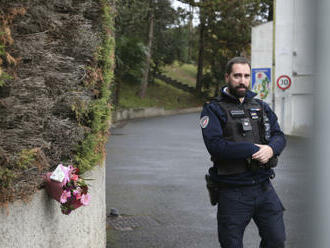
{"points": [[284, 82]]}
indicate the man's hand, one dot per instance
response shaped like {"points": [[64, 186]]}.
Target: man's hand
{"points": [[264, 154]]}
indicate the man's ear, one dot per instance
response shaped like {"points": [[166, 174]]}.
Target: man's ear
{"points": [[227, 77]]}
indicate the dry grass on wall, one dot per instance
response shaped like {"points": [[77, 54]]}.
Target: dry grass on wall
{"points": [[54, 103]]}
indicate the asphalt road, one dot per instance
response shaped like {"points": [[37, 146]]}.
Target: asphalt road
{"points": [[155, 179]]}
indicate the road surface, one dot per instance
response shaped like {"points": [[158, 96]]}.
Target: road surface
{"points": [[155, 179]]}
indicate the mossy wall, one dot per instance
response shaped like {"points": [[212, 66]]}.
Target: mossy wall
{"points": [[56, 69]]}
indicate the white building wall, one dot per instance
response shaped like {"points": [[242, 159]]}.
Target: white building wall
{"points": [[262, 45], [262, 50], [293, 58], [283, 61]]}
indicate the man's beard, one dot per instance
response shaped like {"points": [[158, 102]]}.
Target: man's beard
{"points": [[235, 91]]}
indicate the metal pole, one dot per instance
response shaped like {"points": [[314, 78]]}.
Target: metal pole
{"points": [[274, 54]]}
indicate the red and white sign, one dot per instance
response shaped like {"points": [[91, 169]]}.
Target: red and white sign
{"points": [[284, 82]]}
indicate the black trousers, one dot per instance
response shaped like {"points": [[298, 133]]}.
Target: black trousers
{"points": [[236, 208]]}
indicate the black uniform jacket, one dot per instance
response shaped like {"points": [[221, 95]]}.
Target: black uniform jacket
{"points": [[211, 118]]}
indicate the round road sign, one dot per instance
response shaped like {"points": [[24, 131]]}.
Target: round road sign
{"points": [[284, 82]]}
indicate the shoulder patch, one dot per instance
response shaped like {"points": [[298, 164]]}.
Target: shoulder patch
{"points": [[204, 121]]}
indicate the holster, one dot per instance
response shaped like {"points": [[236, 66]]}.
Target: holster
{"points": [[213, 190]]}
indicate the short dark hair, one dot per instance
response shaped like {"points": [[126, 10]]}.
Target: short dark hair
{"points": [[236, 60]]}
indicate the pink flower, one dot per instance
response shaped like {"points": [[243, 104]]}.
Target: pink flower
{"points": [[77, 193], [74, 177], [85, 199], [64, 196], [78, 196]]}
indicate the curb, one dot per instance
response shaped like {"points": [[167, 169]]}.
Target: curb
{"points": [[141, 113]]}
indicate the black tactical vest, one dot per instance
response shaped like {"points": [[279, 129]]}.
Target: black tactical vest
{"points": [[244, 123]]}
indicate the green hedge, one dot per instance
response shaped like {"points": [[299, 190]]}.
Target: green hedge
{"points": [[91, 151]]}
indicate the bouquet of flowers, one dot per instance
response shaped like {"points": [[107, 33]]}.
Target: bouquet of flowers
{"points": [[67, 187]]}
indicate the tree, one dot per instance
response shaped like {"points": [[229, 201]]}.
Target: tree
{"points": [[171, 41], [153, 24], [225, 32], [144, 83], [130, 55], [202, 26]]}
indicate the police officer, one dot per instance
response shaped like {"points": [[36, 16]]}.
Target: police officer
{"points": [[243, 137]]}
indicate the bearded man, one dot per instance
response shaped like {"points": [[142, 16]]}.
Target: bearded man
{"points": [[244, 139]]}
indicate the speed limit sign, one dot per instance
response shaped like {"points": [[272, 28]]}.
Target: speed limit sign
{"points": [[284, 82]]}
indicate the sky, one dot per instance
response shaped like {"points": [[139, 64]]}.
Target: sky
{"points": [[176, 4]]}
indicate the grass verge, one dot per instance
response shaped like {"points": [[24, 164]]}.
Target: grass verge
{"points": [[158, 94], [184, 73]]}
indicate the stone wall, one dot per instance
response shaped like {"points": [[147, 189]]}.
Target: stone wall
{"points": [[138, 113], [40, 223]]}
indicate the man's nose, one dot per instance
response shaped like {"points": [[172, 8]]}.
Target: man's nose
{"points": [[244, 80]]}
